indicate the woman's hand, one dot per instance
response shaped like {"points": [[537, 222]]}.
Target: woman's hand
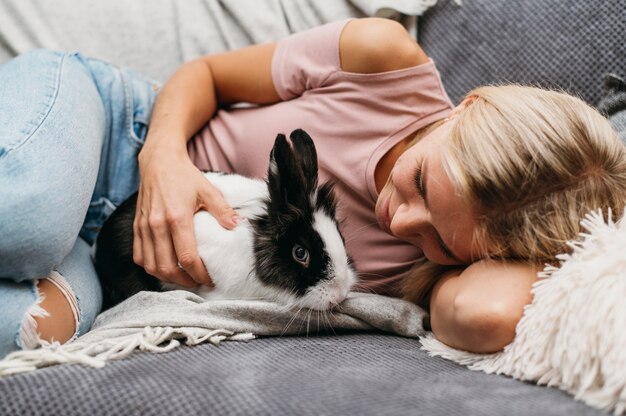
{"points": [[171, 191], [171, 188]]}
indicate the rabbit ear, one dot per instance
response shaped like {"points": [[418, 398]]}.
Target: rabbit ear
{"points": [[307, 157], [285, 178]]}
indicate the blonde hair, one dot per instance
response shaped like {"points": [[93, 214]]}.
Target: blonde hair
{"points": [[532, 162]]}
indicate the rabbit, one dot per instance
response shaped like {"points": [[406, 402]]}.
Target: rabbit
{"points": [[288, 248]]}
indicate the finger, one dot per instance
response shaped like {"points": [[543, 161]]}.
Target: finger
{"points": [[187, 251], [137, 240], [213, 201], [167, 268], [149, 262]]}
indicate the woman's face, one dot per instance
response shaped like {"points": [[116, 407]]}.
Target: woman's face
{"points": [[418, 204]]}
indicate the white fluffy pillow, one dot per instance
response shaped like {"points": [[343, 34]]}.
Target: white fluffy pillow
{"points": [[573, 335]]}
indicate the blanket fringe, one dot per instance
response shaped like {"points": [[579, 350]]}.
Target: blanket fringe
{"points": [[97, 354]]}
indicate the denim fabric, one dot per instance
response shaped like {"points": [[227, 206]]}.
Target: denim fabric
{"points": [[128, 99], [70, 131]]}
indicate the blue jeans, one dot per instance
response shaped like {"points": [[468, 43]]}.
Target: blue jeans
{"points": [[70, 131]]}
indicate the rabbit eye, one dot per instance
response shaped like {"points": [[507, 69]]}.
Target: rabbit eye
{"points": [[300, 254]]}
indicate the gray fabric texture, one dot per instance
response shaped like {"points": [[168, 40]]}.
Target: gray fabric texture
{"points": [[552, 43], [613, 103], [180, 308], [150, 319], [156, 36], [346, 374]]}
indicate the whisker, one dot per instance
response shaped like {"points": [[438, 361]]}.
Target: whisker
{"points": [[308, 320], [355, 234], [381, 285], [338, 307], [329, 324], [293, 318], [363, 288], [318, 321], [359, 274], [249, 298], [301, 323]]}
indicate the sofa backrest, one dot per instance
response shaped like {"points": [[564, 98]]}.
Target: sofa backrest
{"points": [[552, 43]]}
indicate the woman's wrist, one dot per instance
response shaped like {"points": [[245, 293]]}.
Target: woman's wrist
{"points": [[166, 147]]}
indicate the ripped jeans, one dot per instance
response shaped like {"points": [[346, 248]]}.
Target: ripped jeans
{"points": [[71, 128]]}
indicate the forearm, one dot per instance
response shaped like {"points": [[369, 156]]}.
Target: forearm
{"points": [[450, 322], [171, 188], [477, 309], [463, 330], [186, 102], [192, 95]]}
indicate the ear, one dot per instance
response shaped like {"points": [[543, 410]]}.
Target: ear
{"points": [[285, 180], [306, 154]]}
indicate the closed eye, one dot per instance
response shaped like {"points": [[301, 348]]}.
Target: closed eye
{"points": [[419, 184], [445, 250], [418, 178]]}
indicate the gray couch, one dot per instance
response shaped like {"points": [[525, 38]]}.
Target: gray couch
{"points": [[565, 44]]}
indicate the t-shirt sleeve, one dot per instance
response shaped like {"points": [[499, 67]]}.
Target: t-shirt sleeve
{"points": [[306, 59]]}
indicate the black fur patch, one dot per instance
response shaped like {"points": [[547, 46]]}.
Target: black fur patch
{"points": [[119, 276], [273, 245], [289, 217], [325, 200]]}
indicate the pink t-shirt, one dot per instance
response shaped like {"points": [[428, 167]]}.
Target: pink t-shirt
{"points": [[353, 118]]}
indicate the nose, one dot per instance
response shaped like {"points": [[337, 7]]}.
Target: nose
{"points": [[409, 221]]}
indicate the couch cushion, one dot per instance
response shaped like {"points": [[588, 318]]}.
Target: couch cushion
{"points": [[551, 43], [352, 373], [613, 103]]}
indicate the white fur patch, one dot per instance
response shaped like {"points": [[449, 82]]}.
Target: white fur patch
{"points": [[228, 254], [330, 292]]}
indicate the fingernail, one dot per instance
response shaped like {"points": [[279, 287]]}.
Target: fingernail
{"points": [[237, 219]]}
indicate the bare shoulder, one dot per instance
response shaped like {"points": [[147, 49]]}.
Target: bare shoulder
{"points": [[373, 45]]}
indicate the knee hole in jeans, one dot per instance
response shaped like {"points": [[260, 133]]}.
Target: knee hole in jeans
{"points": [[29, 334]]}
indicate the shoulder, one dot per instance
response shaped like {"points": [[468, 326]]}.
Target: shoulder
{"points": [[373, 45]]}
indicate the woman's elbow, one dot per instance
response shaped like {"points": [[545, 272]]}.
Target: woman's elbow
{"points": [[478, 309], [483, 329]]}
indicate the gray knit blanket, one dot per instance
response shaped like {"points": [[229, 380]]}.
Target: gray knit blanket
{"points": [[159, 322]]}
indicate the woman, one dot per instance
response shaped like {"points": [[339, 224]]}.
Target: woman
{"points": [[487, 191]]}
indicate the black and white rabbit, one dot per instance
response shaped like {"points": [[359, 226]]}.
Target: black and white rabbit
{"points": [[289, 249]]}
